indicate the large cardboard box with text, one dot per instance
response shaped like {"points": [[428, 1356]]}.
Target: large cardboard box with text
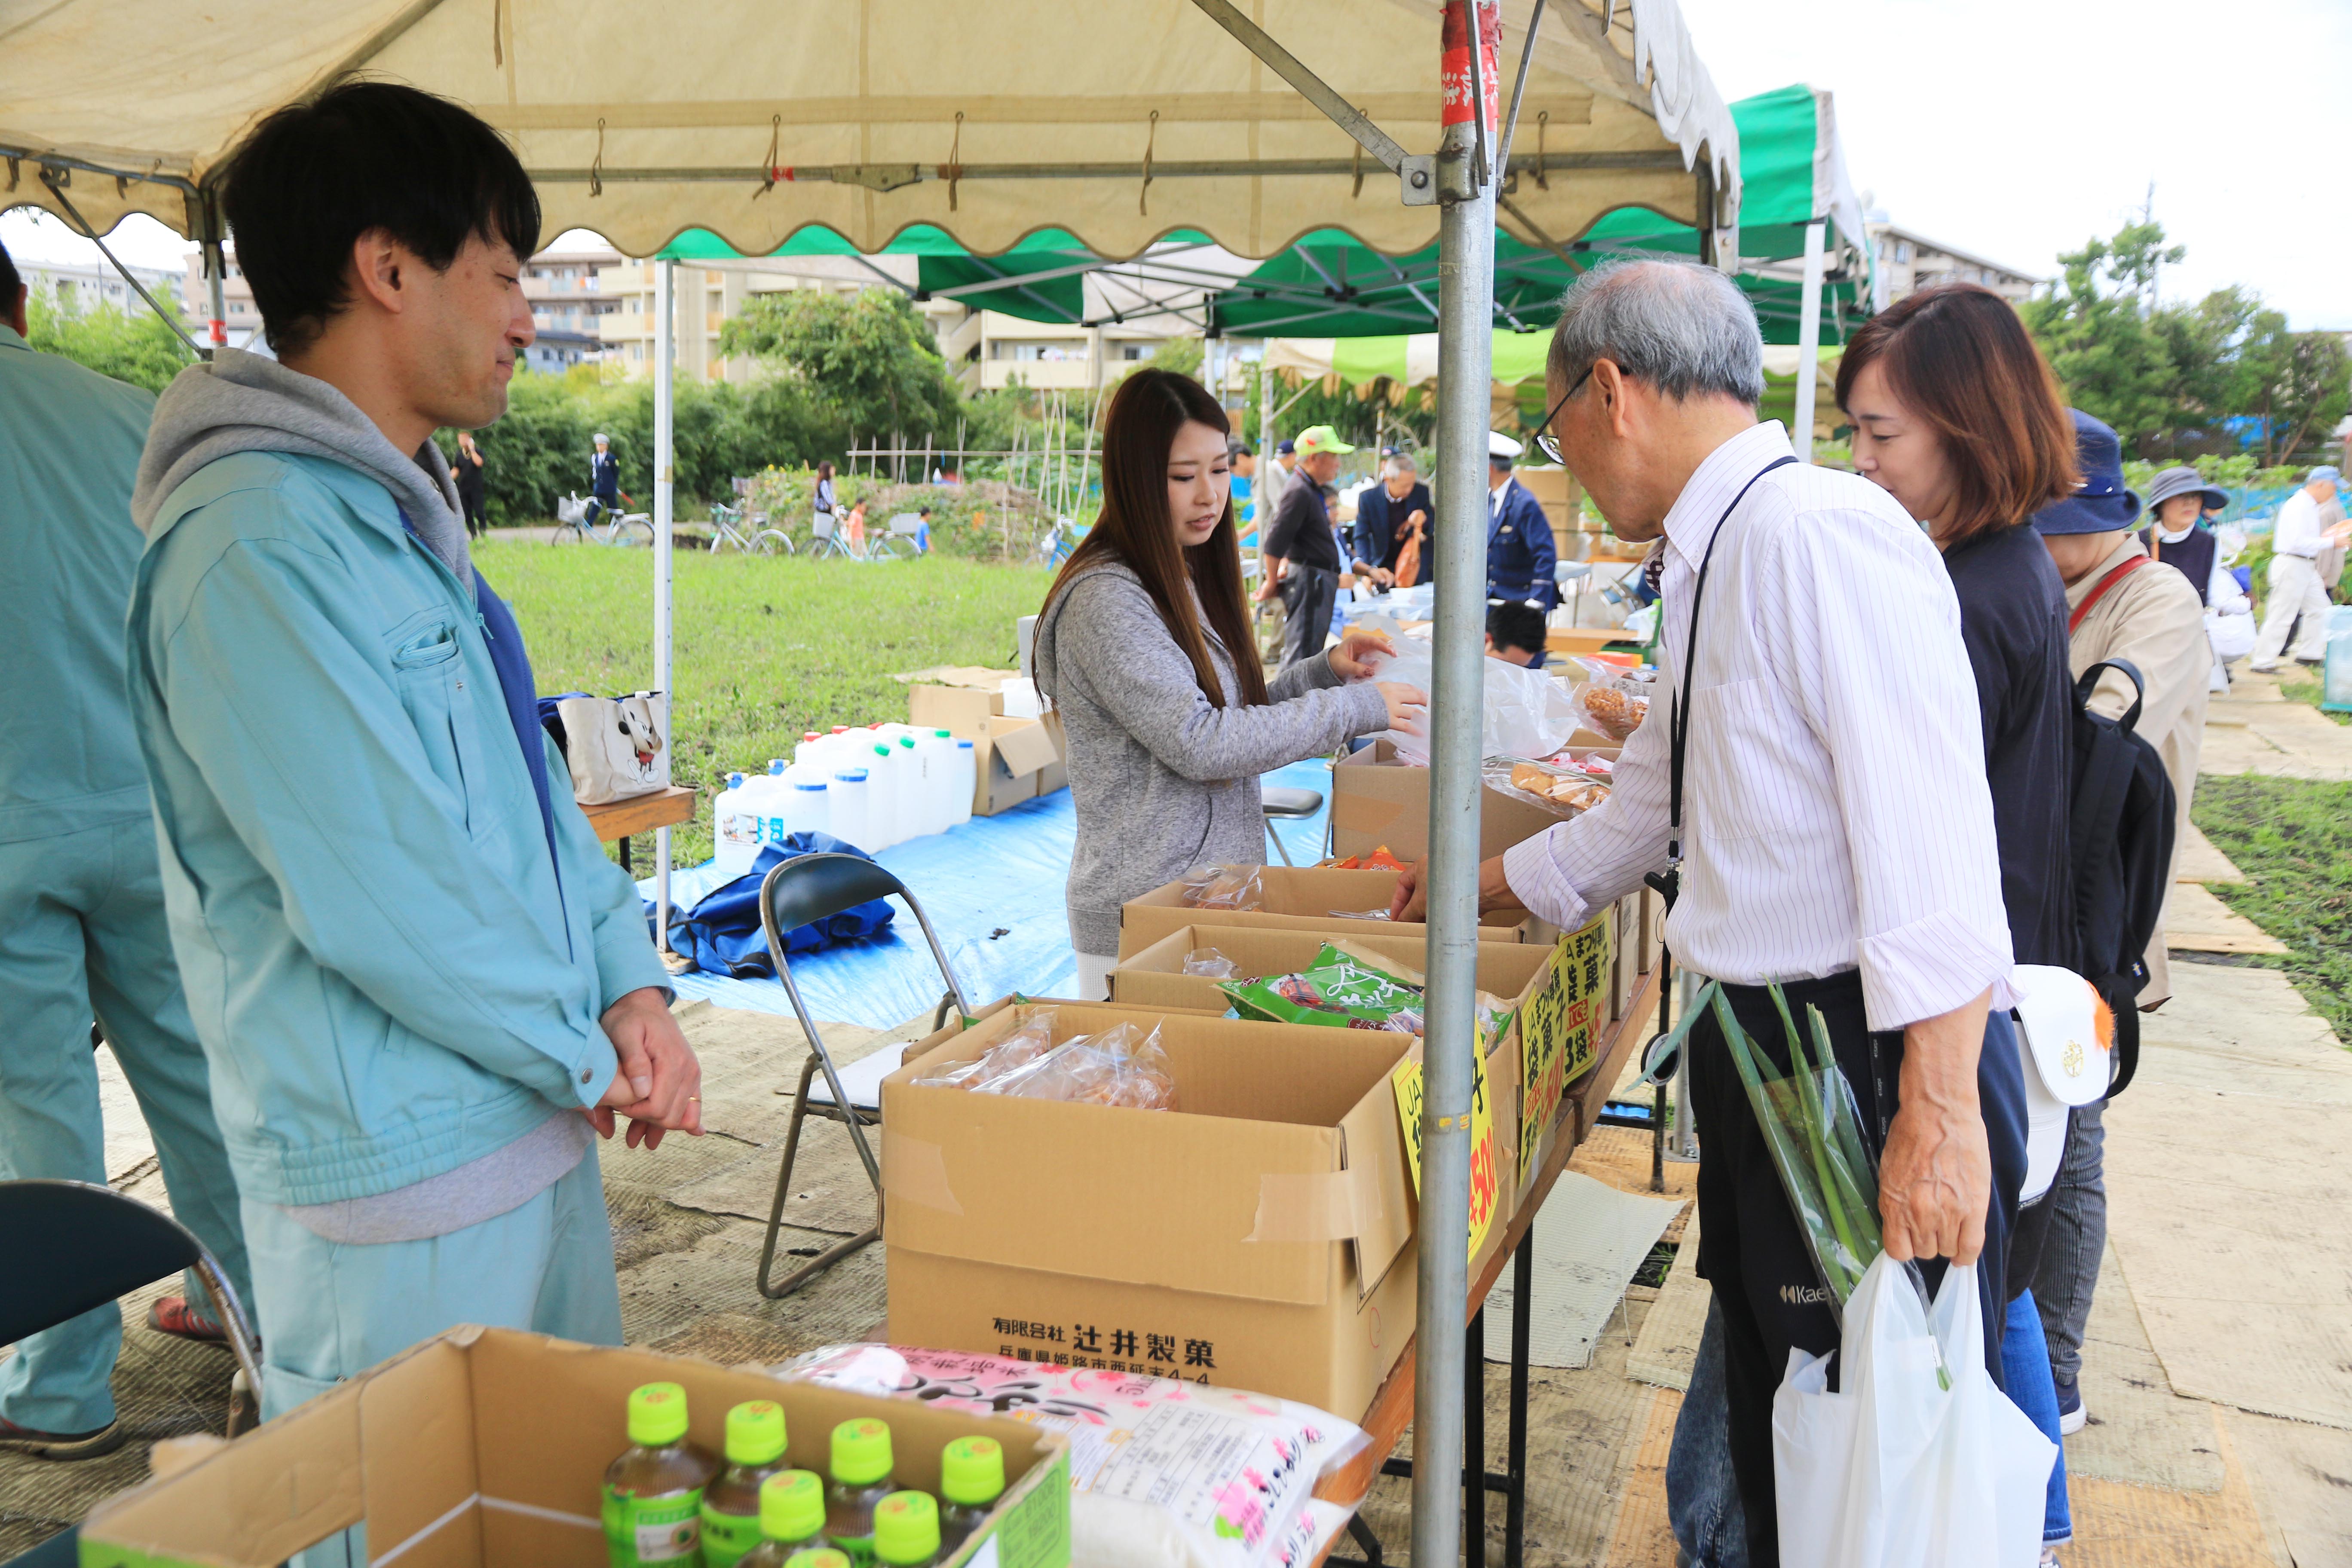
{"points": [[1303, 897], [486, 1446], [1016, 759], [1258, 1237]]}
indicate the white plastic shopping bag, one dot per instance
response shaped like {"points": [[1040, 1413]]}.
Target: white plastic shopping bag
{"points": [[616, 747], [1918, 1461], [1525, 714]]}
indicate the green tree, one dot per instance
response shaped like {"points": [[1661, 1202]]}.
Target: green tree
{"points": [[2095, 328], [138, 348], [2296, 383], [867, 357]]}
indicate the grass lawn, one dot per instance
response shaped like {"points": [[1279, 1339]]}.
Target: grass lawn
{"points": [[765, 648], [2294, 838]]}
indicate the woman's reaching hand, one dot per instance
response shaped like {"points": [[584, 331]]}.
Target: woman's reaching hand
{"points": [[1353, 661]]}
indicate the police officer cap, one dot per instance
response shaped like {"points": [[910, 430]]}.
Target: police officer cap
{"points": [[1501, 446]]}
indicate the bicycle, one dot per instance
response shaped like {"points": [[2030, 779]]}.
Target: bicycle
{"points": [[732, 528], [1057, 544], [576, 523]]}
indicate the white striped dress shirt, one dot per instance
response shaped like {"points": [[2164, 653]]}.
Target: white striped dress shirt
{"points": [[1834, 809]]}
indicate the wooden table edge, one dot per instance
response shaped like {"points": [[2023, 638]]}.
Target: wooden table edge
{"points": [[640, 812]]}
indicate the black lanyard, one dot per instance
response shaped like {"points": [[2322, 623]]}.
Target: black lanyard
{"points": [[1669, 884]]}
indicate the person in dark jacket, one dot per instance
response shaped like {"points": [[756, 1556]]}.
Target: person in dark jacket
{"points": [[2176, 536], [1520, 555], [1389, 516], [467, 470], [604, 477]]}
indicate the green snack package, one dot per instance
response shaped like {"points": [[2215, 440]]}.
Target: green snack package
{"points": [[1344, 995]]}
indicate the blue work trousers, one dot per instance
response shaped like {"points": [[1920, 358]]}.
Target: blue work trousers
{"points": [[84, 937]]}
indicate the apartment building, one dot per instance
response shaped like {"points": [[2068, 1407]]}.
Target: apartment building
{"points": [[74, 285], [1908, 262]]}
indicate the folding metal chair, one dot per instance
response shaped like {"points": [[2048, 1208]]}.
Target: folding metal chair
{"points": [[77, 1245], [1283, 804], [797, 893]]}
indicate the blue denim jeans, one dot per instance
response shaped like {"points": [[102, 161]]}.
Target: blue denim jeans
{"points": [[2025, 1357], [2069, 1270], [1702, 1494]]}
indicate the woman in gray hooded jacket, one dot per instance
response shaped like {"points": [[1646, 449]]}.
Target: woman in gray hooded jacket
{"points": [[1136, 649]]}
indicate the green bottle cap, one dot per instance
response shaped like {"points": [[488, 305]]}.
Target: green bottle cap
{"points": [[657, 1415], [881, 750], [971, 1471], [817, 1557], [792, 1506], [906, 1528], [907, 741], [861, 1452], [943, 734], [755, 1432]]}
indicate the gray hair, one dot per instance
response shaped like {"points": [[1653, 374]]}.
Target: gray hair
{"points": [[1402, 462], [1683, 329]]}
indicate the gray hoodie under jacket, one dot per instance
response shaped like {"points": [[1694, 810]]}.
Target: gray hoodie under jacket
{"points": [[1163, 780], [250, 403]]}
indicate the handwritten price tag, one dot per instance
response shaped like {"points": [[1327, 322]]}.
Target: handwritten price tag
{"points": [[1486, 1159]]}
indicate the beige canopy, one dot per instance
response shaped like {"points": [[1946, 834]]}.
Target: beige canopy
{"points": [[1116, 120]]}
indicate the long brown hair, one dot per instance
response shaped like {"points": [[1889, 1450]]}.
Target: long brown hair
{"points": [[1136, 530], [1959, 357]]}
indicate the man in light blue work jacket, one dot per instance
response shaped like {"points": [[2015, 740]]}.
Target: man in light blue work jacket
{"points": [[419, 979], [81, 909]]}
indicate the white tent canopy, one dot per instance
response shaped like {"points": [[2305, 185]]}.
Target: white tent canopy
{"points": [[639, 121], [1118, 120]]}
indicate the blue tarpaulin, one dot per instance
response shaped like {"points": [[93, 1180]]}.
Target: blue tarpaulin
{"points": [[994, 888]]}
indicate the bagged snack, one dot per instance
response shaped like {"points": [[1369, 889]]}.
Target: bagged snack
{"points": [[1033, 1039], [1120, 1067], [1334, 990], [1378, 859], [1378, 914], [1208, 962], [1612, 700], [1161, 1471], [1566, 789], [1222, 888]]}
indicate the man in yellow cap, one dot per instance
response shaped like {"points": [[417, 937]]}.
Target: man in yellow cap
{"points": [[1302, 557]]}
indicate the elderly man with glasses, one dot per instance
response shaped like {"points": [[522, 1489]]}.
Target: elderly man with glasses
{"points": [[1812, 785]]}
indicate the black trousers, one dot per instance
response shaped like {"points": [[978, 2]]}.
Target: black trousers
{"points": [[1308, 596], [1751, 1248]]}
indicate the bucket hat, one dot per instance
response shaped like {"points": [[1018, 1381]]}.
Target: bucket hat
{"points": [[2103, 502], [2184, 481]]}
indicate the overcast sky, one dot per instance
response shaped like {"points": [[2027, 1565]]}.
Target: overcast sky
{"points": [[2019, 131]]}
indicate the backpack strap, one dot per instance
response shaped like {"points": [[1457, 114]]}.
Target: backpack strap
{"points": [[2106, 583]]}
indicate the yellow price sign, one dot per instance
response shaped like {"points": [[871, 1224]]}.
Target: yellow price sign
{"points": [[1486, 1159], [1556, 1031]]}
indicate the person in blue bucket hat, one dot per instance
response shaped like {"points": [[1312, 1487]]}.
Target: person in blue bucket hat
{"points": [[2119, 606]]}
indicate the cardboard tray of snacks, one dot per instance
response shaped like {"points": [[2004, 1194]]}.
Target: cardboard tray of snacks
{"points": [[1302, 899]]}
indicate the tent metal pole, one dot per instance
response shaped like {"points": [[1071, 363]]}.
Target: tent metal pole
{"points": [[1465, 285], [664, 490], [56, 181], [1809, 341]]}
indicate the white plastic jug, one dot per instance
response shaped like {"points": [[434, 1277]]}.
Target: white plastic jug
{"points": [[850, 799], [811, 751], [937, 751], [768, 799], [882, 798], [966, 774], [917, 816], [805, 808], [735, 821]]}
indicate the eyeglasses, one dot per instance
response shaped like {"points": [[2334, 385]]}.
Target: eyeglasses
{"points": [[1546, 442]]}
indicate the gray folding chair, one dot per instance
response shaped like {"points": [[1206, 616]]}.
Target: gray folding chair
{"points": [[796, 893], [1283, 804]]}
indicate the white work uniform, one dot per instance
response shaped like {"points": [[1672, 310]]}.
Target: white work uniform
{"points": [[2296, 595]]}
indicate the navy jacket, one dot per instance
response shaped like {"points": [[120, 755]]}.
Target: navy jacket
{"points": [[604, 477], [1377, 518], [1519, 555]]}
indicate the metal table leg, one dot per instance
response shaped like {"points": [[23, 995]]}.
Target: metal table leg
{"points": [[1523, 1279], [625, 854], [1474, 1441]]}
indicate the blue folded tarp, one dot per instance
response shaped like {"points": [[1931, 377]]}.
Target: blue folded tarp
{"points": [[721, 933]]}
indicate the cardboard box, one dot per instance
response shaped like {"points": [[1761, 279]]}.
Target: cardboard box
{"points": [[1155, 977], [1017, 759], [1377, 800], [1301, 898], [485, 1446], [1261, 1237]]}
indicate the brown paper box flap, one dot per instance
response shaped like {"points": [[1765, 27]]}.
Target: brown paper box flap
{"points": [[1025, 745]]}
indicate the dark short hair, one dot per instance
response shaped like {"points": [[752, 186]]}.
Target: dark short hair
{"points": [[1516, 623], [1959, 357], [10, 281], [315, 177]]}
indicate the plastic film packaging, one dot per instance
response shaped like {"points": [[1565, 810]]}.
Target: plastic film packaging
{"points": [[1161, 1471], [1527, 713], [1222, 888], [1562, 788], [1033, 1039], [1611, 700], [1210, 965], [1121, 1066]]}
